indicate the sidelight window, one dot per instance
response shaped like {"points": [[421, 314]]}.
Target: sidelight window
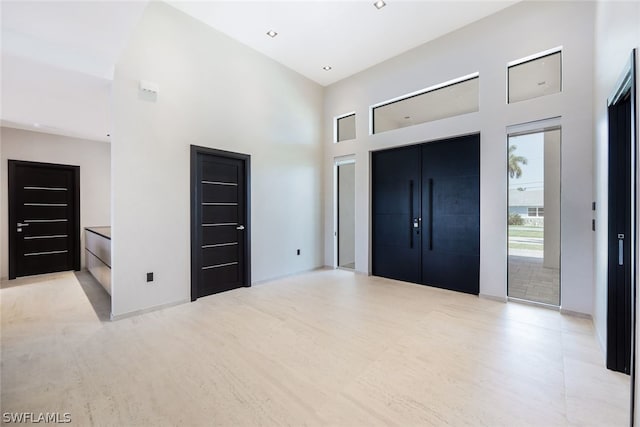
{"points": [[533, 239], [345, 212]]}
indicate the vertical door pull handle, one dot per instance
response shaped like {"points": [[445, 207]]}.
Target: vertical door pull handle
{"points": [[411, 214], [620, 249], [430, 214]]}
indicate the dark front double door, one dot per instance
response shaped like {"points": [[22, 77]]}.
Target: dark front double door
{"points": [[426, 213]]}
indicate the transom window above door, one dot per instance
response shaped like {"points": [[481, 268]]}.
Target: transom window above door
{"points": [[345, 127], [448, 99], [535, 76]]}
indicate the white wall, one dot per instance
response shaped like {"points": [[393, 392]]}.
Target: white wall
{"points": [[214, 92], [617, 31], [94, 159], [486, 47]]}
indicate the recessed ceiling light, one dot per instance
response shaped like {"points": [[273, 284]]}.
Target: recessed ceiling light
{"points": [[37, 125], [379, 4], [272, 33], [326, 68]]}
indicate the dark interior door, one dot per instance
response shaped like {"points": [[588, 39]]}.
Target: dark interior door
{"points": [[44, 218], [426, 213], [396, 214], [220, 231], [620, 238], [451, 213]]}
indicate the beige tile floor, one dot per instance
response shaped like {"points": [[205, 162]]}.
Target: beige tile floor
{"points": [[324, 348]]}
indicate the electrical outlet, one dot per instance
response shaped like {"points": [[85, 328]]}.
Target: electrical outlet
{"points": [[150, 277], [298, 252]]}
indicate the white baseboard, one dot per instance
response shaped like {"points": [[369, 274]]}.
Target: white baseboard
{"points": [[147, 310], [576, 314], [284, 276], [493, 298], [534, 304]]}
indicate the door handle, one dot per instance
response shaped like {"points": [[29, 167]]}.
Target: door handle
{"points": [[240, 227], [412, 221], [620, 249], [430, 214], [20, 224]]}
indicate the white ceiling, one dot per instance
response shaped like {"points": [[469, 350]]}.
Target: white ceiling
{"points": [[85, 36], [58, 56], [57, 63], [349, 36]]}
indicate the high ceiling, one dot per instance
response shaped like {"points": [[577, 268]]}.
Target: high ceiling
{"points": [[348, 36], [57, 63], [58, 56]]}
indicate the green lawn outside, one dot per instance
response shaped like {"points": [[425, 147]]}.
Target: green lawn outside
{"points": [[516, 231], [532, 247], [520, 231]]}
